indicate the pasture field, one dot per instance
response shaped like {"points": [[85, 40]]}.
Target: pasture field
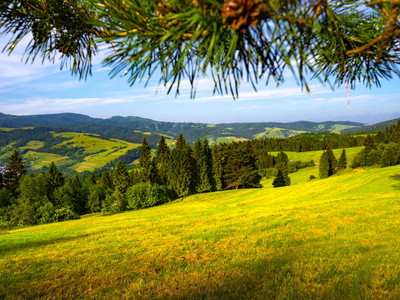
{"points": [[229, 139], [38, 159], [316, 155], [277, 133], [99, 151], [336, 238]]}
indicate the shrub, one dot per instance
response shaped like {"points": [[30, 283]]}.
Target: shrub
{"points": [[147, 195], [65, 214], [46, 213]]}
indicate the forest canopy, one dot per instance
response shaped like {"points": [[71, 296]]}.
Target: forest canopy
{"points": [[347, 42]]}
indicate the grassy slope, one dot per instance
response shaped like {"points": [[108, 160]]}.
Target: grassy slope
{"points": [[316, 155], [329, 239], [276, 133], [112, 149], [92, 146]]}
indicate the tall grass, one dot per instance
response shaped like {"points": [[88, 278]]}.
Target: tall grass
{"points": [[335, 238]]}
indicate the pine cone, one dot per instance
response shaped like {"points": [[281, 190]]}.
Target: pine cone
{"points": [[240, 14]]}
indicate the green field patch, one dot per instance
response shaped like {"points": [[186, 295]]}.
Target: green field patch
{"points": [[337, 128], [316, 155], [34, 145], [100, 151], [37, 159], [276, 132], [335, 238], [68, 134], [6, 129], [228, 139], [10, 129]]}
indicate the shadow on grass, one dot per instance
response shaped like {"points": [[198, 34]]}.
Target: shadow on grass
{"points": [[396, 177], [19, 246], [279, 278]]}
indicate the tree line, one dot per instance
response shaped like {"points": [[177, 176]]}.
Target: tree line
{"points": [[49, 197]]}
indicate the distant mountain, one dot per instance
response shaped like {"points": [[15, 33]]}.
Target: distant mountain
{"points": [[133, 128], [372, 128]]}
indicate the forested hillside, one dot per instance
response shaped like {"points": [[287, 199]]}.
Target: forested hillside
{"points": [[126, 127]]}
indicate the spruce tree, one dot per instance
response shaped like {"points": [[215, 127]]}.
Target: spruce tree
{"points": [[179, 172], [106, 180], [54, 176], [240, 169], [162, 159], [342, 162], [332, 161], [218, 168], [203, 164], [145, 155], [282, 178], [369, 143], [15, 170], [279, 180], [180, 143], [324, 166], [121, 182], [53, 179]]}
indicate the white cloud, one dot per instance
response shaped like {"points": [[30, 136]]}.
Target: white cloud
{"points": [[57, 105], [254, 107]]}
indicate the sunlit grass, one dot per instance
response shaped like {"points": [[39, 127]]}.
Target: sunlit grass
{"points": [[33, 145], [275, 132], [39, 159], [316, 155], [335, 238]]}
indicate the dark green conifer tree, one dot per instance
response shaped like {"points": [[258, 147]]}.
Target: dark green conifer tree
{"points": [[369, 143], [106, 180], [342, 162], [282, 178], [145, 155], [180, 142], [279, 180], [203, 165], [179, 172], [332, 161], [324, 166], [15, 170], [121, 182], [240, 169], [217, 167], [76, 181], [162, 159], [54, 178]]}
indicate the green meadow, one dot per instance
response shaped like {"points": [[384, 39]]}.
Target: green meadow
{"points": [[97, 151], [336, 238], [316, 155], [276, 132]]}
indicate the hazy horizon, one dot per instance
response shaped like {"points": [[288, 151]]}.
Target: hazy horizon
{"points": [[42, 89]]}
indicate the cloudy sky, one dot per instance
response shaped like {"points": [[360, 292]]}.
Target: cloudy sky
{"points": [[42, 89]]}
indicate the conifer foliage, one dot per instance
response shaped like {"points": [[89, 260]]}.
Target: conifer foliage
{"points": [[15, 170], [354, 41], [342, 162], [327, 163], [282, 178]]}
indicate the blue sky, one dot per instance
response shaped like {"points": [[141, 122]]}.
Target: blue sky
{"points": [[37, 88]]}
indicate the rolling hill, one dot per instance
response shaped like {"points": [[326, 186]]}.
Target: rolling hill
{"points": [[335, 238], [127, 127]]}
